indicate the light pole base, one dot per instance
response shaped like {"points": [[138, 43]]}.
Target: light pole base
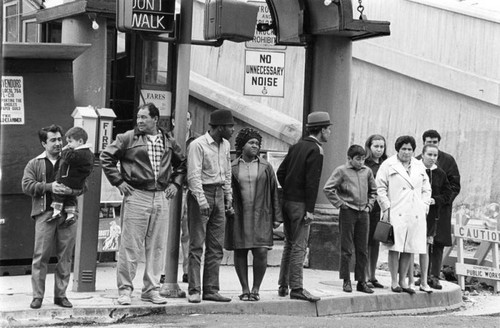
{"points": [[172, 290]]}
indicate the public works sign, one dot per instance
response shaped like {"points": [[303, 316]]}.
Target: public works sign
{"points": [[156, 16]]}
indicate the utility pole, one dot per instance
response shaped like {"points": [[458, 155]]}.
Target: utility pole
{"points": [[171, 288]]}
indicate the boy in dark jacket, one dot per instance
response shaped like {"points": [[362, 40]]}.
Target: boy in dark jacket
{"points": [[352, 188], [77, 162]]}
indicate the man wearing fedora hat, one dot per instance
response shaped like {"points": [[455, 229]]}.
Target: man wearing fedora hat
{"points": [[299, 175], [209, 197]]}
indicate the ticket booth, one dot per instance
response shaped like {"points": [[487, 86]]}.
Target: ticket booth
{"points": [[37, 91]]}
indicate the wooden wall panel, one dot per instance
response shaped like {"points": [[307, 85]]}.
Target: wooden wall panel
{"points": [[226, 66], [390, 103]]}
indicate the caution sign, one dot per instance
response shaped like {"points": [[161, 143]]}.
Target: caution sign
{"points": [[264, 73], [478, 234], [489, 242], [477, 271], [12, 100]]}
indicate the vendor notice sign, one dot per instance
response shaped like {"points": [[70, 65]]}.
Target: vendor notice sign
{"points": [[264, 73], [12, 100]]}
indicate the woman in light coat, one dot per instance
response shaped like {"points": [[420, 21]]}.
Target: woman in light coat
{"points": [[404, 194]]}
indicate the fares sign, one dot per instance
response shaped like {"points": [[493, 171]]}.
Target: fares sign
{"points": [[145, 15]]}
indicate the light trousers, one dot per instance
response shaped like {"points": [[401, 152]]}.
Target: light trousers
{"points": [[144, 230]]}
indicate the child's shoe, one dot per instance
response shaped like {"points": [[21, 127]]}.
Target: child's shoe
{"points": [[56, 215]]}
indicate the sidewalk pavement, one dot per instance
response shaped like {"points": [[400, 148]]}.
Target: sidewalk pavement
{"points": [[101, 306]]}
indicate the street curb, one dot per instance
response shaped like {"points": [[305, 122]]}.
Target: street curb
{"points": [[350, 304]]}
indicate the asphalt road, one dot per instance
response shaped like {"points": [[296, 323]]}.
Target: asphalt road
{"points": [[273, 321]]}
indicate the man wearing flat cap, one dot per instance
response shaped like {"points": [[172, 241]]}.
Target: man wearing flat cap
{"points": [[209, 197], [299, 175]]}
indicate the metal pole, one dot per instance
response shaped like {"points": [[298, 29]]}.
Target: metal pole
{"points": [[331, 92], [171, 288], [307, 87]]}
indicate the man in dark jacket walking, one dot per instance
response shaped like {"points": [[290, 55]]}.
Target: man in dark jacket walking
{"points": [[152, 170], [443, 231], [299, 175]]}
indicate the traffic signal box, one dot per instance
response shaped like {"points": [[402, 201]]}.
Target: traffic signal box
{"points": [[157, 16], [294, 20], [230, 20]]}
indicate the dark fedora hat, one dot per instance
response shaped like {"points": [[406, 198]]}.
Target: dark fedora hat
{"points": [[221, 117], [318, 119]]}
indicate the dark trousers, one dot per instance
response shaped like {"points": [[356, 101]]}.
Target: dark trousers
{"points": [[292, 261], [206, 230], [66, 202], [435, 260], [354, 226]]}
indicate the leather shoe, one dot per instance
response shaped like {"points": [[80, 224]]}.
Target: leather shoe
{"points": [[363, 287], [426, 289], [216, 297], [347, 286], [302, 294], [434, 283], [410, 291], [282, 291], [397, 289], [376, 284], [194, 298], [36, 303], [62, 301]]}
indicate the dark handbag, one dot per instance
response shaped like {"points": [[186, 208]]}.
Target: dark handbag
{"points": [[384, 233]]}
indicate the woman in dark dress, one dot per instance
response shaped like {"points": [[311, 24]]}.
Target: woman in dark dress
{"points": [[441, 194], [256, 211], [375, 148]]}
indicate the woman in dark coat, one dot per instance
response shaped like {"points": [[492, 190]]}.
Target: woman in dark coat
{"points": [[441, 195], [376, 153], [256, 211]]}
